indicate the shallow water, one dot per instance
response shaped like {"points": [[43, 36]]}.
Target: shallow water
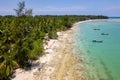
{"points": [[101, 58]]}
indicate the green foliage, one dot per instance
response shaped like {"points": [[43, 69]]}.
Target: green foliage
{"points": [[21, 54], [37, 50], [21, 38], [52, 34], [66, 21], [6, 66]]}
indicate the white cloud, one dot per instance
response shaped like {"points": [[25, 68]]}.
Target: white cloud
{"points": [[110, 8], [6, 10], [59, 9]]}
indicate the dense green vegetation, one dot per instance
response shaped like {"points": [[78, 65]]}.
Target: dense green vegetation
{"points": [[22, 37]]}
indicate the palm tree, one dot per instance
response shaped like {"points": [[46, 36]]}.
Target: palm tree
{"points": [[7, 66]]}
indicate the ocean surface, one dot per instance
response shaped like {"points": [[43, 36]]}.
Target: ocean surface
{"points": [[97, 45]]}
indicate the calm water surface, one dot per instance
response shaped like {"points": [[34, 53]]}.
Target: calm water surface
{"points": [[101, 58]]}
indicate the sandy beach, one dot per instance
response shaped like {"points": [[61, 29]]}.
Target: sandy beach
{"points": [[59, 40], [57, 64]]}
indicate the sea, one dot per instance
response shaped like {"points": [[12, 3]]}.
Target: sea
{"points": [[97, 45]]}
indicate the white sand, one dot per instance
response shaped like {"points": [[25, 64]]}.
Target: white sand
{"points": [[57, 64]]}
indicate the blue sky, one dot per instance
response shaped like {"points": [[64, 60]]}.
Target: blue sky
{"points": [[64, 7]]}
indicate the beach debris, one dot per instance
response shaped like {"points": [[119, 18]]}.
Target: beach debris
{"points": [[96, 29], [104, 34], [97, 41]]}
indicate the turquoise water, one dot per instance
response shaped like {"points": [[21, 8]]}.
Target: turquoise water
{"points": [[101, 59]]}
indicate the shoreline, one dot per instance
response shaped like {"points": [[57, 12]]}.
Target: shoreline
{"points": [[58, 63]]}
